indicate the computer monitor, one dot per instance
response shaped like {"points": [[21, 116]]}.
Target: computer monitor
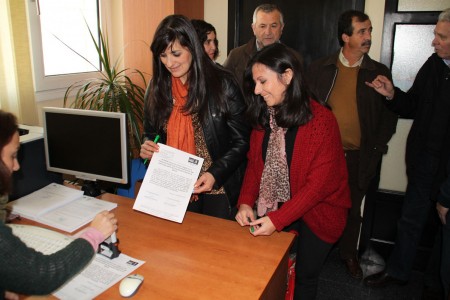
{"points": [[90, 145]]}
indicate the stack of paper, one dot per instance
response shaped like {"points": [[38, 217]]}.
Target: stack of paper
{"points": [[59, 206]]}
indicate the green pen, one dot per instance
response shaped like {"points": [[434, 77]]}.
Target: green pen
{"points": [[154, 141]]}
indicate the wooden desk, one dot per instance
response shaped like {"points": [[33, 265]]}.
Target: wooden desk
{"points": [[202, 258]]}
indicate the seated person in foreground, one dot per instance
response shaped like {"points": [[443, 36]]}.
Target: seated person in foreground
{"points": [[22, 269]]}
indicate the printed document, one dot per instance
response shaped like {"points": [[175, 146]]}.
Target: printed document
{"points": [[168, 183], [98, 276], [44, 200], [76, 214], [59, 206], [101, 274]]}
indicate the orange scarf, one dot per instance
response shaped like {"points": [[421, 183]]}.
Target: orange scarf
{"points": [[180, 131]]}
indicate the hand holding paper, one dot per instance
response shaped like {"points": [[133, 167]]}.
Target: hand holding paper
{"points": [[168, 183], [205, 183]]}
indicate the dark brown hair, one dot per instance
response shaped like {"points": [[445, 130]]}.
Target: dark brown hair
{"points": [[345, 23], [204, 28], [205, 76], [295, 109], [8, 126]]}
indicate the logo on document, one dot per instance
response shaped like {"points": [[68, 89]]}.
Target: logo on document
{"points": [[133, 263], [193, 161]]}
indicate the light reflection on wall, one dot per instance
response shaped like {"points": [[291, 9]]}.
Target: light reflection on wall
{"points": [[420, 5], [412, 47]]}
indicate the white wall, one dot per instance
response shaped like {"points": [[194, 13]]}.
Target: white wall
{"points": [[393, 168], [216, 13], [375, 10]]}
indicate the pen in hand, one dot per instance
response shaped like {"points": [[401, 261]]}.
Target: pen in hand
{"points": [[154, 141]]}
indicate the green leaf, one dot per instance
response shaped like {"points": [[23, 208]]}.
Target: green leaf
{"points": [[114, 91]]}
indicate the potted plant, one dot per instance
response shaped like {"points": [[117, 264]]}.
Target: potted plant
{"points": [[112, 91]]}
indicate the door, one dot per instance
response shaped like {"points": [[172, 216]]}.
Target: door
{"points": [[310, 26]]}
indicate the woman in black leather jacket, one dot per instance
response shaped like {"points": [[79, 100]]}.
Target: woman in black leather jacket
{"points": [[196, 106]]}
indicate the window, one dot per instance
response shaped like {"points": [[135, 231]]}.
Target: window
{"points": [[61, 46]]}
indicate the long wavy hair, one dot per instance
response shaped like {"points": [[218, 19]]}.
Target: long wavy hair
{"points": [[8, 127], [295, 109], [204, 76]]}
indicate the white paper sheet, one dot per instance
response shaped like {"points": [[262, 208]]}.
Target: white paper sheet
{"points": [[59, 206], [101, 274], [168, 183], [43, 200], [77, 213]]}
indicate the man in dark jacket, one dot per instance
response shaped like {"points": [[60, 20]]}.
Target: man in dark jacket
{"points": [[366, 125], [267, 27], [427, 149], [442, 207]]}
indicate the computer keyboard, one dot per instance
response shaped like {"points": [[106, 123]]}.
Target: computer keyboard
{"points": [[43, 240]]}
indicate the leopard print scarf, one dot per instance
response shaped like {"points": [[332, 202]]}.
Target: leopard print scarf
{"points": [[274, 185]]}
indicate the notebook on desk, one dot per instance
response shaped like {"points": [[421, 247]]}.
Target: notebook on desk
{"points": [[59, 206]]}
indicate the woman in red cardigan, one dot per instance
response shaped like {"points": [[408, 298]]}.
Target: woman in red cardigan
{"points": [[296, 176]]}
